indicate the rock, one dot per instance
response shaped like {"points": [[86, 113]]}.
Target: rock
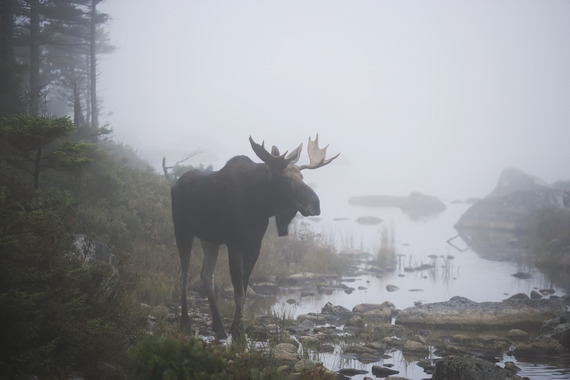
{"points": [[557, 329], [351, 372], [461, 313], [305, 365], [513, 180], [379, 371], [90, 252], [511, 366], [393, 342], [418, 204], [550, 324], [383, 315], [313, 318], [469, 368], [522, 275], [365, 307], [538, 348], [285, 353], [392, 288], [416, 347], [427, 365], [517, 335]]}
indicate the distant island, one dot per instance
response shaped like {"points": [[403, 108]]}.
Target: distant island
{"points": [[415, 204]]}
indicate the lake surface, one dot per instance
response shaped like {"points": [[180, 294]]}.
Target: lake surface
{"points": [[417, 241]]}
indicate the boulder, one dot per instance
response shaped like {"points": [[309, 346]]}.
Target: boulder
{"points": [[286, 353], [379, 371], [416, 347], [418, 204], [469, 368]]}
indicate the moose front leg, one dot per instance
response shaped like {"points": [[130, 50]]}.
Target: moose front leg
{"points": [[211, 251], [237, 274]]}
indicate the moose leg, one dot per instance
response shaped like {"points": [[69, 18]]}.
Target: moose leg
{"points": [[184, 244], [236, 272], [248, 265], [207, 275]]}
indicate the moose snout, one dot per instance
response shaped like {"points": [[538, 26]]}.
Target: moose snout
{"points": [[310, 209], [314, 209]]}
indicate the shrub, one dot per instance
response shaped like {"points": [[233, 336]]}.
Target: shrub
{"points": [[168, 358]]}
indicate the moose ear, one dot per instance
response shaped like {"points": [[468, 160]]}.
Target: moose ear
{"points": [[275, 151], [295, 155]]}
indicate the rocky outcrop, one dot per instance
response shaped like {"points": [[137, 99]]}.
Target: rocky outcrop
{"points": [[509, 207], [519, 311], [416, 204], [500, 223]]}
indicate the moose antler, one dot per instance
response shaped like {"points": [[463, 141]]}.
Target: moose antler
{"points": [[273, 159], [316, 155]]}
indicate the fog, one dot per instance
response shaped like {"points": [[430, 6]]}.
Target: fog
{"points": [[430, 96]]}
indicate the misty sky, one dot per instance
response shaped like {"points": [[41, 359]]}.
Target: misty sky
{"points": [[430, 96]]}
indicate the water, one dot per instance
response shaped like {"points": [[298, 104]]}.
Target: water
{"points": [[417, 241]]}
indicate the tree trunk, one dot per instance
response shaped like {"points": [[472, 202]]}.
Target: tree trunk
{"points": [[9, 88], [6, 31], [35, 87], [93, 65], [77, 109]]}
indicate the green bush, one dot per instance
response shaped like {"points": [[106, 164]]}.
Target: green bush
{"points": [[167, 358], [50, 321]]}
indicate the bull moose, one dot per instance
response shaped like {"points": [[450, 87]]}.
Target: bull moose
{"points": [[232, 206]]}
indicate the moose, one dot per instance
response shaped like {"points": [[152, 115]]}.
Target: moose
{"points": [[233, 206]]}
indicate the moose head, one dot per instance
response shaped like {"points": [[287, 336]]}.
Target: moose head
{"points": [[293, 194]]}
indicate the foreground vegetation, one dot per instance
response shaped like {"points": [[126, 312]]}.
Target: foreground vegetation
{"points": [[54, 185]]}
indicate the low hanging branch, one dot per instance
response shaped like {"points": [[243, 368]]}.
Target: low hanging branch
{"points": [[165, 168]]}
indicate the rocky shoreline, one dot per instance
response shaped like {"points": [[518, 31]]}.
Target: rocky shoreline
{"points": [[459, 333]]}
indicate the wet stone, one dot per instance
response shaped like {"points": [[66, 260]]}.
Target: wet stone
{"points": [[379, 371], [351, 372]]}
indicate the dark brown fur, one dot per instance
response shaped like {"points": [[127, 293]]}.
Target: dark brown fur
{"points": [[232, 206]]}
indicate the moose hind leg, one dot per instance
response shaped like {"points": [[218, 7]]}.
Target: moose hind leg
{"points": [[184, 251], [211, 251]]}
